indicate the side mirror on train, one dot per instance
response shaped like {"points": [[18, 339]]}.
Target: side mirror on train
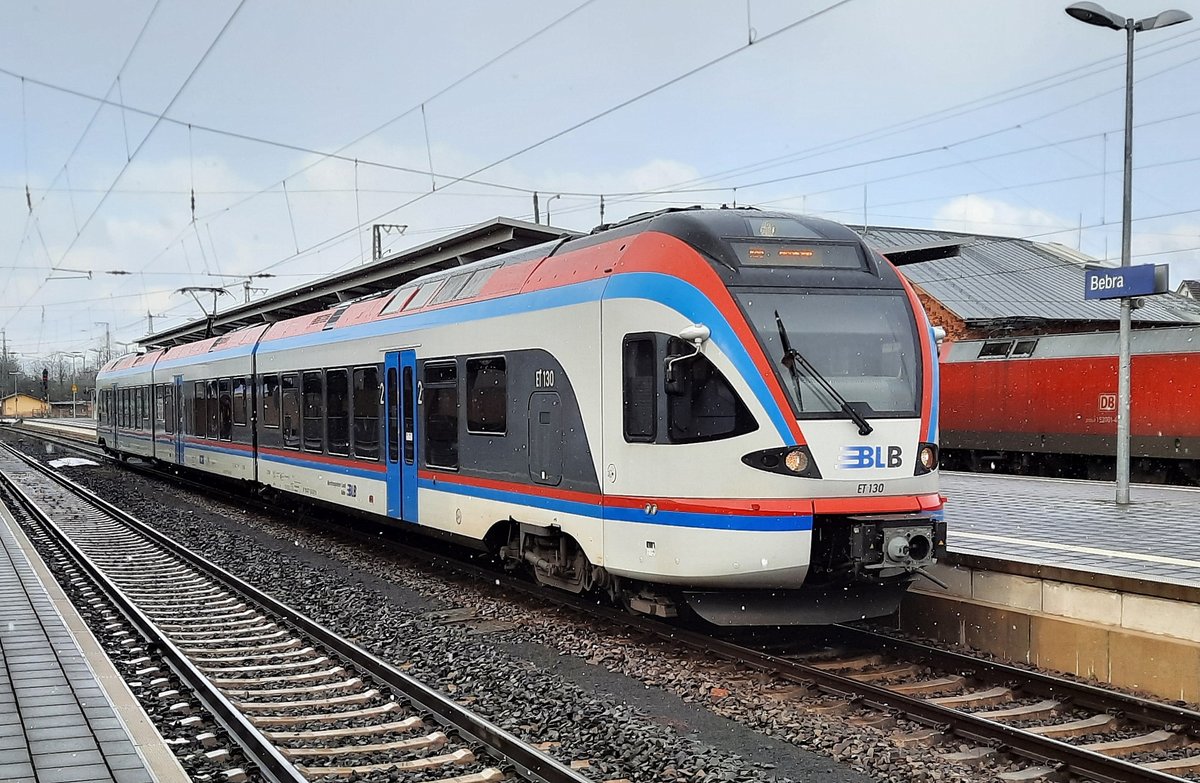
{"points": [[695, 335]]}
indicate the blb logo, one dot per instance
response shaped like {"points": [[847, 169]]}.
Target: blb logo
{"points": [[856, 457], [1108, 402]]}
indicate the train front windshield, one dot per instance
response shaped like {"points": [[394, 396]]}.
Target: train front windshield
{"points": [[863, 343]]}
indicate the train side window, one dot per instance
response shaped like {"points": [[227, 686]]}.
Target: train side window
{"points": [[225, 408], [410, 417], [1024, 348], [487, 396], [168, 408], [314, 411], [440, 398], [270, 401], [701, 405], [214, 410], [120, 407], [200, 410], [995, 350], [366, 413], [337, 411], [290, 411], [147, 406], [241, 394], [393, 423], [639, 388]]}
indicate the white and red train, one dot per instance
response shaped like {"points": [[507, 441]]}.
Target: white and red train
{"points": [[730, 409]]}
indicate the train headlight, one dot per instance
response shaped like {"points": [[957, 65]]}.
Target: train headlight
{"points": [[927, 458], [787, 461], [796, 461]]}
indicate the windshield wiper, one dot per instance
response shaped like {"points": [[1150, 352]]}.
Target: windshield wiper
{"points": [[792, 357]]}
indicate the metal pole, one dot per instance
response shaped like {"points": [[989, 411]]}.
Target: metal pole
{"points": [[1123, 358]]}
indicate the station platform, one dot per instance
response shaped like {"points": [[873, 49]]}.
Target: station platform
{"points": [[65, 713], [1076, 525]]}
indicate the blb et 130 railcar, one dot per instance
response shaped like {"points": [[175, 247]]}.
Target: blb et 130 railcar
{"points": [[729, 409]]}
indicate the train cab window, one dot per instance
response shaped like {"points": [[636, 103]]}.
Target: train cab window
{"points": [[440, 398], [214, 410], [337, 411], [270, 401], [366, 413], [701, 405], [225, 408], [487, 396], [1024, 348], [639, 388], [290, 411], [168, 406], [200, 411], [995, 350], [241, 396], [314, 411]]}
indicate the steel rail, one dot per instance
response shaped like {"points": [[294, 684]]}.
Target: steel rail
{"points": [[258, 748], [527, 760], [1044, 750]]}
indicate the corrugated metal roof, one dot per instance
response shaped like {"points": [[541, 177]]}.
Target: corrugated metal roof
{"points": [[1000, 278]]}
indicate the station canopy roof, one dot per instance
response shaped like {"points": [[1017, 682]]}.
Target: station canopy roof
{"points": [[492, 238], [990, 279]]}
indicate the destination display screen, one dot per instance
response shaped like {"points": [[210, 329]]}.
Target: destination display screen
{"points": [[760, 253]]}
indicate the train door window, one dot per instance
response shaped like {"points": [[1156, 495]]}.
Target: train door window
{"points": [[200, 411], [214, 410], [701, 405], [995, 349], [147, 406], [440, 398], [120, 407], [289, 408], [143, 399], [1024, 348], [366, 413], [337, 411], [410, 417], [189, 411], [487, 396], [314, 411], [168, 408], [241, 394], [639, 388], [393, 416], [270, 401], [225, 408]]}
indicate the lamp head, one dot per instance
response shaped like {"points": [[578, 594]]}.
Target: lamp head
{"points": [[1164, 19], [1094, 13]]}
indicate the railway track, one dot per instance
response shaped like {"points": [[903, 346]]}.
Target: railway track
{"points": [[301, 702], [1050, 727]]}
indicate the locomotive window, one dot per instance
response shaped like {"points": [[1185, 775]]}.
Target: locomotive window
{"points": [[225, 408], [314, 411], [290, 411], [450, 290], [214, 410], [168, 408], [337, 411], [441, 415], [701, 405], [393, 424], [366, 413], [240, 398], [995, 350], [639, 389], [200, 411], [1024, 348], [270, 400], [487, 396], [410, 418]]}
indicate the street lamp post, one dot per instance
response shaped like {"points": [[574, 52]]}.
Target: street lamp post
{"points": [[558, 195], [1095, 14]]}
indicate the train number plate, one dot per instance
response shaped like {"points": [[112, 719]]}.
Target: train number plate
{"points": [[871, 489]]}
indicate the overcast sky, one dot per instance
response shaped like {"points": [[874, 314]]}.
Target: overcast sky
{"points": [[971, 115]]}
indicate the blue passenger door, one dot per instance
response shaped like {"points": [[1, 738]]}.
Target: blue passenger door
{"points": [[400, 415], [177, 416]]}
